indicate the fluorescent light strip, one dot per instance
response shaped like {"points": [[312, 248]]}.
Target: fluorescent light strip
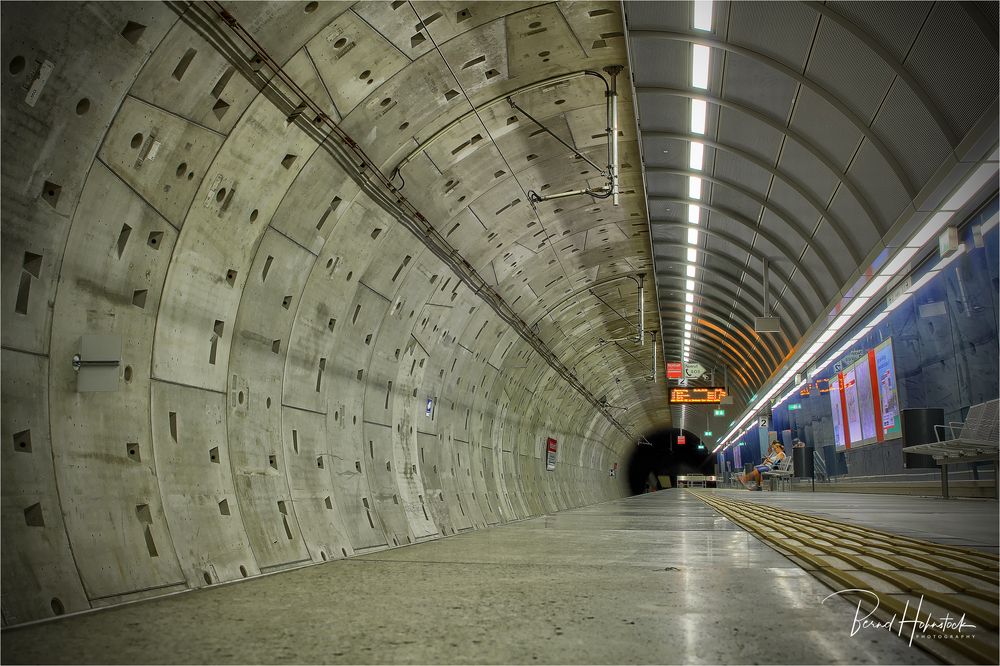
{"points": [[697, 155], [694, 213], [690, 271], [692, 255], [688, 318], [689, 285], [694, 187], [693, 236], [700, 58], [699, 109], [855, 305], [689, 297], [978, 178], [874, 285], [934, 224], [702, 15], [689, 308], [687, 327]]}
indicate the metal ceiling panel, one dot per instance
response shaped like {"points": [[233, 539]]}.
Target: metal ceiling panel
{"points": [[727, 197], [905, 127], [731, 167], [662, 62], [780, 30], [795, 206], [956, 63], [825, 127], [893, 25], [844, 65], [658, 15], [667, 113], [809, 171], [886, 195], [863, 234], [745, 133], [726, 225], [751, 83]]}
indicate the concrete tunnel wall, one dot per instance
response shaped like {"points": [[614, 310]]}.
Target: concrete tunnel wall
{"points": [[281, 329]]}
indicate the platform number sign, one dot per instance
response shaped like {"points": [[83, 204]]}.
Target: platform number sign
{"points": [[763, 421], [550, 454]]}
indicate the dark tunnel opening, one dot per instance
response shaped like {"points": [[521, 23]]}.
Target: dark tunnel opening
{"points": [[663, 456]]}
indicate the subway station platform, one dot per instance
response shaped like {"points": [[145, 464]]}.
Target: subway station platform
{"points": [[658, 578]]}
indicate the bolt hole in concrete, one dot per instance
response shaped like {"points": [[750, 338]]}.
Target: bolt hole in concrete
{"points": [[243, 571], [364, 75], [221, 194], [190, 175], [404, 126], [239, 397], [181, 169], [16, 65], [339, 44], [208, 579], [136, 140], [57, 606], [323, 555], [82, 106], [310, 7], [268, 403], [128, 373], [253, 215]]}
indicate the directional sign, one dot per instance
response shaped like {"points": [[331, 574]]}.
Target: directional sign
{"points": [[681, 440], [675, 370], [708, 433], [792, 406], [693, 370], [719, 412]]}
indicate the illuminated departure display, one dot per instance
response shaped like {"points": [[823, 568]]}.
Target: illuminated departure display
{"points": [[696, 396]]}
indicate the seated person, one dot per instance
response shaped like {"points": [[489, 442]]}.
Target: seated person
{"points": [[775, 454]]}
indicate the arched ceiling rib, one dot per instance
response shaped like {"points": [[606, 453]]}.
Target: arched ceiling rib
{"points": [[823, 123]]}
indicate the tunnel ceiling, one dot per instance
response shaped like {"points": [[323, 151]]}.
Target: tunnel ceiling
{"points": [[824, 125]]}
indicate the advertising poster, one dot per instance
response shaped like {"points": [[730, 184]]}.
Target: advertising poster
{"points": [[851, 402], [838, 419], [888, 400], [866, 404], [550, 454]]}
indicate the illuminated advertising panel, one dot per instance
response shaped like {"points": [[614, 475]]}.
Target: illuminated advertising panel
{"points": [[866, 406], [838, 419], [851, 402], [885, 370], [696, 396]]}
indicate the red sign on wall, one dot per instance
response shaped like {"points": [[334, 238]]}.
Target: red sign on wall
{"points": [[550, 454], [675, 370], [681, 439]]}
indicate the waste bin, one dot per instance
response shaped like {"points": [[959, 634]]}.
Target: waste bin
{"points": [[803, 465]]}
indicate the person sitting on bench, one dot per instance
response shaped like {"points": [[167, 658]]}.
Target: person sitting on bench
{"points": [[775, 454]]}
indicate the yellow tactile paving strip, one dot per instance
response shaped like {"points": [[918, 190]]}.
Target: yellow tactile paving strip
{"points": [[951, 580]]}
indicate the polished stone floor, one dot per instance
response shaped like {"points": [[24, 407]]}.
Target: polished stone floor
{"points": [[659, 578]]}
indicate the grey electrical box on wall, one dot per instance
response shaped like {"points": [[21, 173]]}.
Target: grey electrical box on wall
{"points": [[97, 364]]}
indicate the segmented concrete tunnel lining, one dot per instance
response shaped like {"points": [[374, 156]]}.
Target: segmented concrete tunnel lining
{"points": [[301, 377]]}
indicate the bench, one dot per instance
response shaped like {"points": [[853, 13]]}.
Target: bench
{"points": [[975, 440], [783, 472]]}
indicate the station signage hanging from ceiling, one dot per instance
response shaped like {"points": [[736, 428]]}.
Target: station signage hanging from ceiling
{"points": [[706, 395], [675, 370]]}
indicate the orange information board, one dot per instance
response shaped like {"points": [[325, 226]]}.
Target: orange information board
{"points": [[709, 395]]}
